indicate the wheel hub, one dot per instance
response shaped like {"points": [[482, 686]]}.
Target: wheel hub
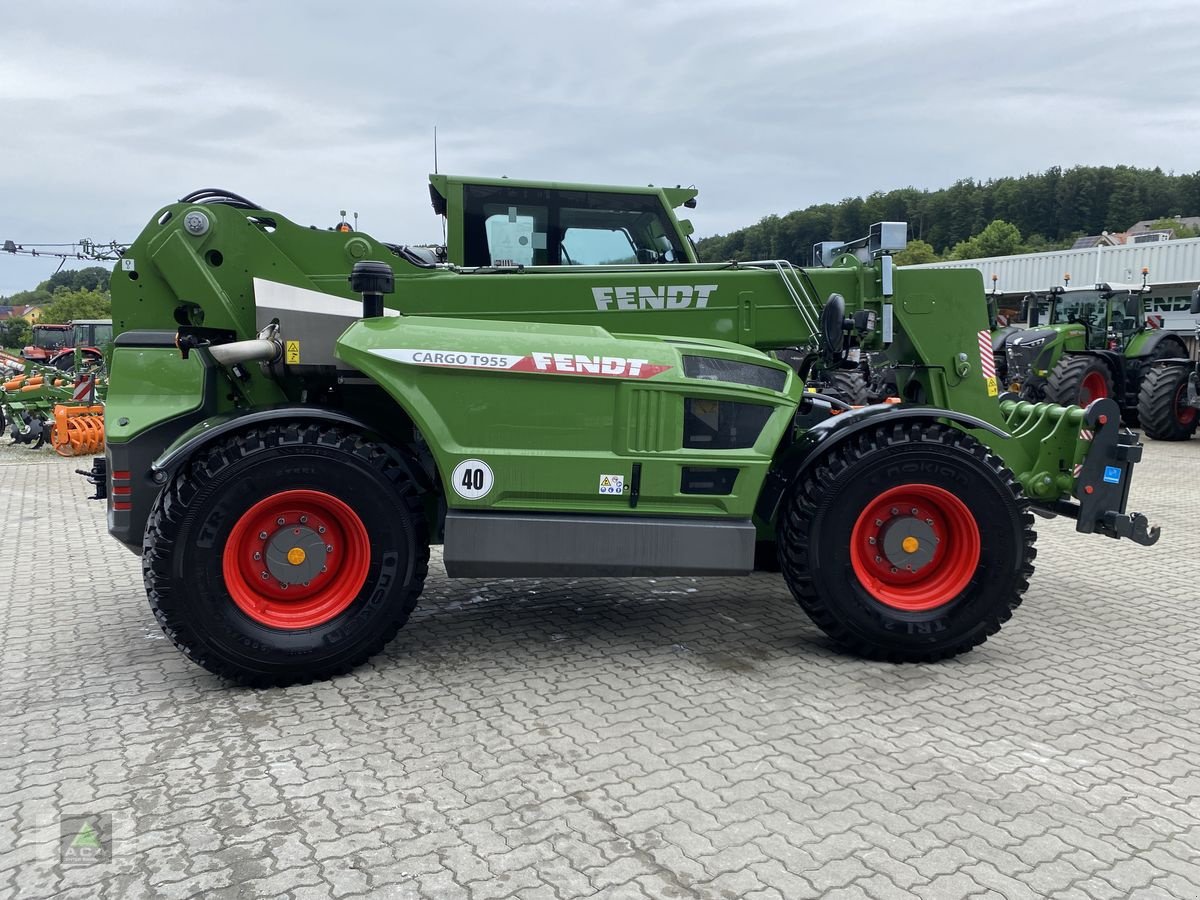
{"points": [[295, 554], [909, 542]]}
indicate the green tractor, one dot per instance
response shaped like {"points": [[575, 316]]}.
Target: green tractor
{"points": [[1083, 344], [1169, 401], [295, 415]]}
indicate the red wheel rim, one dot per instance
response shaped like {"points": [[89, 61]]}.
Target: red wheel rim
{"points": [[1094, 387], [915, 547], [296, 559], [1184, 414]]}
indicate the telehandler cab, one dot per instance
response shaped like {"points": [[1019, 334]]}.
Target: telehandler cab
{"points": [[294, 415]]}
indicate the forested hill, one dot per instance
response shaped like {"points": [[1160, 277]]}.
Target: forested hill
{"points": [[1048, 209]]}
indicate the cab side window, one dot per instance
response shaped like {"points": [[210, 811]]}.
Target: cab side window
{"points": [[524, 226]]}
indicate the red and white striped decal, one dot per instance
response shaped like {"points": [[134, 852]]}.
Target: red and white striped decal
{"points": [[83, 387], [1078, 468], [987, 360], [1085, 435]]}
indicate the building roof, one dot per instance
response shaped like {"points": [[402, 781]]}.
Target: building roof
{"points": [[1094, 240], [1170, 262], [1145, 225]]}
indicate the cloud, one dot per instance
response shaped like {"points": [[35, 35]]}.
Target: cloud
{"points": [[765, 106]]}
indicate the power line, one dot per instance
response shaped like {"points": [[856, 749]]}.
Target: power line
{"points": [[83, 249]]}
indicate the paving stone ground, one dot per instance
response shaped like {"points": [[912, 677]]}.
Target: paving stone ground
{"points": [[609, 738]]}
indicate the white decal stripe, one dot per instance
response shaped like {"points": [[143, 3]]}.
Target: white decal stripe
{"points": [[452, 359], [288, 298]]}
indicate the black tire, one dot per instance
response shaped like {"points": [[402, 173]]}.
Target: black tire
{"points": [[831, 499], [1076, 381], [64, 362], [849, 386], [1162, 407], [194, 516]]}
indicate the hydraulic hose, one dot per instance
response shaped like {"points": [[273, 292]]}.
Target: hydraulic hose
{"points": [[256, 350]]}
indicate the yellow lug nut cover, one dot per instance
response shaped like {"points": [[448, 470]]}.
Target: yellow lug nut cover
{"points": [[296, 555], [910, 545]]}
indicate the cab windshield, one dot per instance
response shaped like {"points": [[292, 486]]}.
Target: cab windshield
{"points": [[1082, 306], [49, 338]]}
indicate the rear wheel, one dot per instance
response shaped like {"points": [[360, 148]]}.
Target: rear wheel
{"points": [[849, 386], [908, 543], [1162, 404], [286, 554], [1078, 380]]}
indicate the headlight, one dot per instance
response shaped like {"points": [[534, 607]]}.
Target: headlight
{"points": [[712, 368]]}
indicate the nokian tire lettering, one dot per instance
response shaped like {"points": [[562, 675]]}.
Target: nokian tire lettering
{"points": [[828, 499], [195, 514]]}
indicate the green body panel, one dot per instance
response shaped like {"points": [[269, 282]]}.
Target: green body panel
{"points": [[549, 449], [148, 386], [1138, 344]]}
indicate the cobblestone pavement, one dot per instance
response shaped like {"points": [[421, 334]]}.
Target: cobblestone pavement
{"points": [[590, 738]]}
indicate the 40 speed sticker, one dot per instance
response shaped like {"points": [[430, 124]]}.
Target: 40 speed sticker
{"points": [[472, 479]]}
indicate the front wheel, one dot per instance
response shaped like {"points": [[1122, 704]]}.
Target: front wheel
{"points": [[1078, 380], [286, 554], [1162, 404], [908, 543]]}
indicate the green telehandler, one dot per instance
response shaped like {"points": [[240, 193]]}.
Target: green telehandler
{"points": [[295, 414]]}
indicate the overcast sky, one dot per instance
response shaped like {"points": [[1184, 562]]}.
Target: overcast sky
{"points": [[110, 110]]}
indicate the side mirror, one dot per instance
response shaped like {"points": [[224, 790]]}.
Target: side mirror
{"points": [[833, 326], [1133, 308], [1029, 311], [1196, 302], [993, 311]]}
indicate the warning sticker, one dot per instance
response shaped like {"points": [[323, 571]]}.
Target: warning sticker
{"points": [[292, 353], [612, 484], [993, 387]]}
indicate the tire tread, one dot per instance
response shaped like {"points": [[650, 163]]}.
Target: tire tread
{"points": [[171, 509], [811, 493]]}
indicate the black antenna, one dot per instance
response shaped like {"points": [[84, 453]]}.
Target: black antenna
{"points": [[445, 238]]}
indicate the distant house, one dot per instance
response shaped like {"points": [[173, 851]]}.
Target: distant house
{"points": [[1089, 241], [29, 313], [1144, 232]]}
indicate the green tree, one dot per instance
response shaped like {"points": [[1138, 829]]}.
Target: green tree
{"points": [[36, 297], [1055, 204], [68, 305], [917, 252], [999, 238], [91, 278], [15, 334]]}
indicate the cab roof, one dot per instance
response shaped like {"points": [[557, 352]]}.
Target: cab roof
{"points": [[675, 196]]}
